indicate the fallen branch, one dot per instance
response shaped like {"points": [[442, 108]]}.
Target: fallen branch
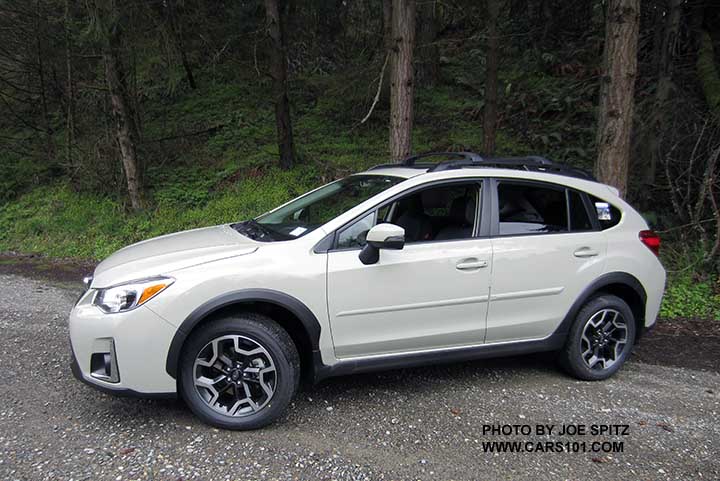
{"points": [[379, 90]]}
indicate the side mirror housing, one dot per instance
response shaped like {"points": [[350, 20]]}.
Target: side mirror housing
{"points": [[382, 236]]}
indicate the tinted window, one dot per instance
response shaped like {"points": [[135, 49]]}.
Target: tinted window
{"points": [[436, 213], [354, 235], [310, 211], [531, 209], [607, 214], [579, 219]]}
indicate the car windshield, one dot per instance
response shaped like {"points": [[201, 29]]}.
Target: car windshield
{"points": [[308, 212]]}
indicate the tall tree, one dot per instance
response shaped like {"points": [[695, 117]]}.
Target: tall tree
{"points": [[70, 88], [39, 38], [617, 96], [665, 51], [278, 73], [177, 37], [402, 78], [427, 72], [491, 78], [109, 25]]}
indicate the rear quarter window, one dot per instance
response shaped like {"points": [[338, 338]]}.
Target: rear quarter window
{"points": [[607, 214]]}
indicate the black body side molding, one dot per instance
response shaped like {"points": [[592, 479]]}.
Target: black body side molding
{"points": [[401, 361], [297, 308]]}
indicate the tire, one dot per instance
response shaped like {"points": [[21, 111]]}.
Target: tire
{"points": [[266, 374], [592, 342]]}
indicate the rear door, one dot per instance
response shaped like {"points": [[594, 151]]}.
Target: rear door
{"points": [[546, 250]]}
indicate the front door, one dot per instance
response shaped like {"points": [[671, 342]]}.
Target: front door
{"points": [[432, 294]]}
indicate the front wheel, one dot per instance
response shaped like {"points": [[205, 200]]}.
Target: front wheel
{"points": [[600, 339], [239, 372]]}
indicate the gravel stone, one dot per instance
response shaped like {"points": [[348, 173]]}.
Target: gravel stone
{"points": [[415, 424]]}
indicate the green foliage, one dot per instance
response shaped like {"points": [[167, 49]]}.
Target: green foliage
{"points": [[689, 292], [685, 297], [58, 222]]}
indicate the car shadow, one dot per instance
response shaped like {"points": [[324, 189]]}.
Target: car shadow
{"points": [[428, 377]]}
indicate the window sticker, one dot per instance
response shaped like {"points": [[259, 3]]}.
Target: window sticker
{"points": [[297, 231], [603, 211]]}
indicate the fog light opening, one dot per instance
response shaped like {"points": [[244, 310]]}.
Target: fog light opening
{"points": [[103, 365]]}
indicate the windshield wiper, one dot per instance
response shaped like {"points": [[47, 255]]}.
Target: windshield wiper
{"points": [[258, 231]]}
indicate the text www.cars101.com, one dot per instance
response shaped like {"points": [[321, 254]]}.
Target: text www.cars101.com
{"points": [[553, 447]]}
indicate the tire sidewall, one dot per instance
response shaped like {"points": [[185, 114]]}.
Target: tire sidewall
{"points": [[572, 354], [266, 333]]}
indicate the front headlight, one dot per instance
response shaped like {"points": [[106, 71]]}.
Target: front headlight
{"points": [[128, 296]]}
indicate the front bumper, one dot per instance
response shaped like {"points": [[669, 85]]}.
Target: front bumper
{"points": [[140, 340], [120, 392]]}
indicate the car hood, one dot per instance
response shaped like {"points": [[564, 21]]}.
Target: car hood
{"points": [[171, 252]]}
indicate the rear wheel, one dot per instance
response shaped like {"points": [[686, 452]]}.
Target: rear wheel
{"points": [[600, 339], [239, 372]]}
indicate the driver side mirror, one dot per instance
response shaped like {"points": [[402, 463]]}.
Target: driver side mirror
{"points": [[382, 236]]}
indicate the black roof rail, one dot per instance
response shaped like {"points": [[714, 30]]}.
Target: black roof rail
{"points": [[411, 161], [534, 163], [466, 156]]}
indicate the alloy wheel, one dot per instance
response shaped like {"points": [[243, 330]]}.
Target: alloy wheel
{"points": [[235, 375], [604, 338]]}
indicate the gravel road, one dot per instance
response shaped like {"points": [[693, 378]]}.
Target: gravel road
{"points": [[422, 423]]}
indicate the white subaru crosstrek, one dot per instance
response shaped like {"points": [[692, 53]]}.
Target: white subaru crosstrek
{"points": [[401, 265]]}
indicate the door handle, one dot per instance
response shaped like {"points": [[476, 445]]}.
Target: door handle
{"points": [[470, 264], [585, 252]]}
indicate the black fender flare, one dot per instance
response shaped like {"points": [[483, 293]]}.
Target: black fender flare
{"points": [[296, 307], [604, 280]]}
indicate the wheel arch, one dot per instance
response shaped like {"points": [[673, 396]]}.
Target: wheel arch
{"points": [[621, 284], [290, 313]]}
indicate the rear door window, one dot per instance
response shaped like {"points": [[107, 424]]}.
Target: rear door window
{"points": [[531, 208]]}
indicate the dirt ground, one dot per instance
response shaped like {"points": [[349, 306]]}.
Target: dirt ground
{"points": [[414, 424]]}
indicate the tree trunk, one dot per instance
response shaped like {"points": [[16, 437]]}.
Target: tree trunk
{"points": [[41, 78], [491, 79], [387, 23], [428, 64], [70, 125], [278, 72], [709, 74], [125, 127], [401, 79], [617, 92], [177, 37], [387, 45], [665, 57]]}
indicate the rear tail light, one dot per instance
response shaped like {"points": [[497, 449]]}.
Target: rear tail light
{"points": [[651, 240]]}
